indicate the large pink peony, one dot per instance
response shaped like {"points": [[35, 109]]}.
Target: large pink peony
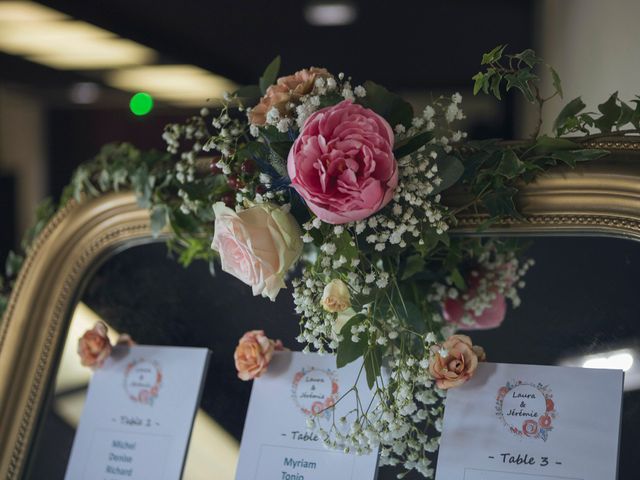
{"points": [[342, 163]]}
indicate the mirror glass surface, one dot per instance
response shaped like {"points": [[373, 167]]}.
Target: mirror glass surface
{"points": [[581, 299]]}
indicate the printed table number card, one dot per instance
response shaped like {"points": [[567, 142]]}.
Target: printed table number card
{"points": [[276, 442], [138, 415], [524, 422]]}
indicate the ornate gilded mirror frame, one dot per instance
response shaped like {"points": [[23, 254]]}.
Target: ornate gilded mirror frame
{"points": [[596, 198]]}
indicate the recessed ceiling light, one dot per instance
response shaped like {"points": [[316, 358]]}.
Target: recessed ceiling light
{"points": [[330, 14], [72, 45], [179, 84], [21, 11]]}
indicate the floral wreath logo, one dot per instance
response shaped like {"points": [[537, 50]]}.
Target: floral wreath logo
{"points": [[142, 381], [314, 391], [526, 409]]}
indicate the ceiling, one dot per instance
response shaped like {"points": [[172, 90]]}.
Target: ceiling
{"points": [[406, 44]]}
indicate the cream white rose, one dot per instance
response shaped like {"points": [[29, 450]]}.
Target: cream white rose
{"points": [[335, 296], [257, 245]]}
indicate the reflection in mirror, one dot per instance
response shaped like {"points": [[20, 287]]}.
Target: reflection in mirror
{"points": [[580, 307]]}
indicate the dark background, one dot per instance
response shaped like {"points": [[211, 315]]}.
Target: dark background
{"points": [[408, 46]]}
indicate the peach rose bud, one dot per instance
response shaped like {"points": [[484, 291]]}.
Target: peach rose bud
{"points": [[335, 296], [94, 346], [455, 361], [253, 354], [287, 90]]}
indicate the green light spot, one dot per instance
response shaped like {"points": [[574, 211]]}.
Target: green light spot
{"points": [[141, 103]]}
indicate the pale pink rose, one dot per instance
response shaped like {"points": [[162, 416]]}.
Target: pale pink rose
{"points": [[287, 90], [94, 346], [257, 245], [460, 312], [342, 163], [253, 354], [458, 365]]}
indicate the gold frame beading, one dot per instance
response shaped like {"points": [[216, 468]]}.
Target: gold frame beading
{"points": [[597, 198]]}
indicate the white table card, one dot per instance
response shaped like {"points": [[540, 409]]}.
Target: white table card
{"points": [[138, 415], [276, 443], [524, 422]]}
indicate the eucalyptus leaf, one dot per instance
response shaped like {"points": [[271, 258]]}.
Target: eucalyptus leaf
{"points": [[450, 169], [248, 91], [270, 75], [458, 280], [413, 264], [392, 107], [412, 144], [372, 364], [349, 351]]}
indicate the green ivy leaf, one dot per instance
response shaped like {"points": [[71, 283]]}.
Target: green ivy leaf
{"points": [[13, 264], [159, 214], [527, 56], [520, 81], [412, 144], [478, 80], [494, 55], [545, 144], [500, 203], [510, 166], [349, 351], [610, 113], [557, 84], [571, 157], [270, 75], [570, 110]]}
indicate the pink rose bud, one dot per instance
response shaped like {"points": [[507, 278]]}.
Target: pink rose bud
{"points": [[342, 163], [253, 354], [465, 312], [94, 346]]}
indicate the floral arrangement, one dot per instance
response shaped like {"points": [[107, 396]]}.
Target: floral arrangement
{"points": [[341, 186]]}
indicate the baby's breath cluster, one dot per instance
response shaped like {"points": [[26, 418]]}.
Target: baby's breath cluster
{"points": [[373, 286]]}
